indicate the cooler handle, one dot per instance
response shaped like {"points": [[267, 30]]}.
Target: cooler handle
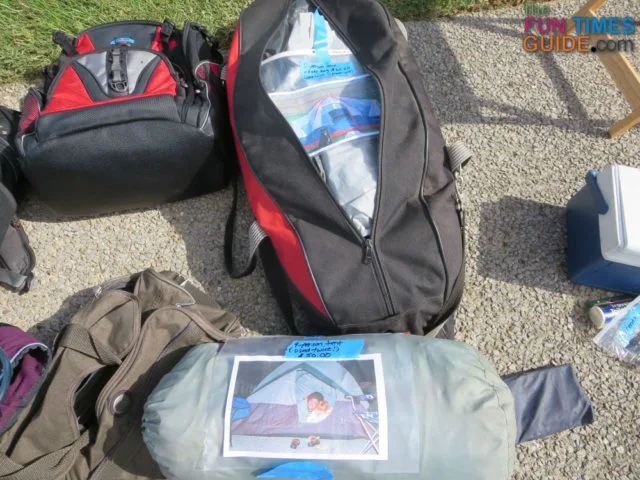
{"points": [[596, 194]]}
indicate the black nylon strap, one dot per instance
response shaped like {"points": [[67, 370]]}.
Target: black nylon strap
{"points": [[259, 244], [228, 238]]}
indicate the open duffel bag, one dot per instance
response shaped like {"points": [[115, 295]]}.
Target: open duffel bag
{"points": [[133, 114], [345, 168], [356, 407], [84, 423]]}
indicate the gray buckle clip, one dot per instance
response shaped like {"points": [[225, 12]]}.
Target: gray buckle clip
{"points": [[118, 71]]}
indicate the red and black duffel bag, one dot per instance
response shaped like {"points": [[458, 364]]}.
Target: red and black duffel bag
{"points": [[133, 114], [345, 168]]}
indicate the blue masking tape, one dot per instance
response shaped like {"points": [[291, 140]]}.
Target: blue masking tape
{"points": [[328, 348], [320, 37], [310, 470]]}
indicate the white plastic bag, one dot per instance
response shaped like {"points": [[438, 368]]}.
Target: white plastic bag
{"points": [[622, 335]]}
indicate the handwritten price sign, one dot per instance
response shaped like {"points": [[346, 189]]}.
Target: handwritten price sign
{"points": [[325, 349], [311, 71]]}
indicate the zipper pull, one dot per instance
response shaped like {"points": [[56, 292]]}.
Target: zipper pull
{"points": [[367, 251], [182, 305]]}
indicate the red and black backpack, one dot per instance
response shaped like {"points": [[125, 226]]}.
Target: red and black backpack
{"points": [[345, 168], [131, 115]]}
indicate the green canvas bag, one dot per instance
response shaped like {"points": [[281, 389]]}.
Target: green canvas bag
{"points": [[85, 421]]}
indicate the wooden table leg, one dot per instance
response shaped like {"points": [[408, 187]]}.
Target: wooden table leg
{"points": [[625, 124], [589, 10]]}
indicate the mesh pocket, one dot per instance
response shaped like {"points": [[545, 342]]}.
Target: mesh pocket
{"points": [[30, 111]]}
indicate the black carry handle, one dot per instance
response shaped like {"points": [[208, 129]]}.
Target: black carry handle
{"points": [[117, 71], [259, 243], [206, 34], [66, 42]]}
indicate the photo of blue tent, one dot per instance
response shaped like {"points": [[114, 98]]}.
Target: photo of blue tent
{"points": [[279, 403]]}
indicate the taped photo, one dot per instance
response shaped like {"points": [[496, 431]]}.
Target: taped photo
{"points": [[291, 408]]}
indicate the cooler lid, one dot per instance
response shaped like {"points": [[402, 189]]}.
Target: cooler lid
{"points": [[620, 226]]}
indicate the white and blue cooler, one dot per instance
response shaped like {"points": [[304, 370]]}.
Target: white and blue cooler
{"points": [[603, 229]]}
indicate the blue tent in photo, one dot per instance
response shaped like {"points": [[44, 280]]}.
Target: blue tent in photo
{"points": [[279, 403]]}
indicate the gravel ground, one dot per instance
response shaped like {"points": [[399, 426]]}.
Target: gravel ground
{"points": [[537, 123]]}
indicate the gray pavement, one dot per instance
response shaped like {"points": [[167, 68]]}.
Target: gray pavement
{"points": [[537, 123]]}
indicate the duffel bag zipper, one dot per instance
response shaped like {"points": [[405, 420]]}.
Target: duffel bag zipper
{"points": [[421, 197], [122, 371], [137, 331], [131, 358], [370, 254]]}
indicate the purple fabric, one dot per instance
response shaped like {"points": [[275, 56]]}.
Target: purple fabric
{"points": [[276, 419], [29, 358]]}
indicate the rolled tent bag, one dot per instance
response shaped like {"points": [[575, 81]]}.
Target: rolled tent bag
{"points": [[353, 407]]}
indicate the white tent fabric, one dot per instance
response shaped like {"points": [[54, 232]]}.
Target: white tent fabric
{"points": [[291, 381]]}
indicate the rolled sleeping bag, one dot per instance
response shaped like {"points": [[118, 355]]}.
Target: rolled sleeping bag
{"points": [[353, 407]]}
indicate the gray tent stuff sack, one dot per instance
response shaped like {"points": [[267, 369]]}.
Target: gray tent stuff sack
{"points": [[353, 407]]}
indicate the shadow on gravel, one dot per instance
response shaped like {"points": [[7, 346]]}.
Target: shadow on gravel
{"points": [[580, 319], [32, 209], [200, 222], [455, 101], [47, 330], [524, 242]]}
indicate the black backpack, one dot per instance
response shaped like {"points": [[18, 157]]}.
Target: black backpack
{"points": [[345, 168], [133, 114], [16, 256]]}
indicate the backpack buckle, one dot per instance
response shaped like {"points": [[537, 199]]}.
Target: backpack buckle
{"points": [[117, 71]]}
